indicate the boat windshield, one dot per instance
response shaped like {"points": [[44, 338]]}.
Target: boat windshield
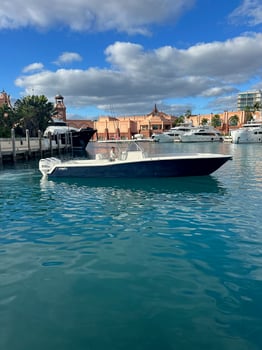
{"points": [[103, 148]]}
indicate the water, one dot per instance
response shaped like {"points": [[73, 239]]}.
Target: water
{"points": [[134, 264]]}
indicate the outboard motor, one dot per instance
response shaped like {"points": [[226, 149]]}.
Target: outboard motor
{"points": [[46, 164]]}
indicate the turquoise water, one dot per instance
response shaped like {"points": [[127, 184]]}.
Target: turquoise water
{"points": [[136, 264]]}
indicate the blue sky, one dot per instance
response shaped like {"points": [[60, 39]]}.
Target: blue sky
{"points": [[120, 58]]}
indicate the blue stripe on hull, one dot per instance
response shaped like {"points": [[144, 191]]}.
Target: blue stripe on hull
{"points": [[144, 169]]}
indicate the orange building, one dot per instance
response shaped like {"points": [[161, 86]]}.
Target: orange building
{"points": [[109, 128], [225, 119]]}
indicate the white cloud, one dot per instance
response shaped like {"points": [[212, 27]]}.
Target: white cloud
{"points": [[136, 75], [68, 57], [249, 12], [33, 67], [81, 15]]}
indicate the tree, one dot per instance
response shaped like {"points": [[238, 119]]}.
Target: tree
{"points": [[7, 119], [204, 121], [233, 120], [179, 120], [257, 106], [248, 114], [216, 121], [188, 113], [33, 113]]}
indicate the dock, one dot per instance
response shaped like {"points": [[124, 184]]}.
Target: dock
{"points": [[26, 148]]}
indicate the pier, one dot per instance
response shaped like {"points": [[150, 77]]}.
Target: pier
{"points": [[26, 148]]}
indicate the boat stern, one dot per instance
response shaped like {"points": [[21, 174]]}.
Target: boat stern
{"points": [[46, 164]]}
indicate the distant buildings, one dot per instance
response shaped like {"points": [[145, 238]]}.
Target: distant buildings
{"points": [[249, 99], [126, 127]]}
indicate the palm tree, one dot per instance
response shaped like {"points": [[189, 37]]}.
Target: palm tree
{"points": [[257, 106], [248, 114], [233, 120], [34, 113], [188, 113], [179, 120], [216, 121], [204, 121]]}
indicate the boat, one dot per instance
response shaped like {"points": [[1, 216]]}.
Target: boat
{"points": [[250, 132], [133, 162], [163, 137], [202, 134], [227, 139], [79, 138], [173, 134]]}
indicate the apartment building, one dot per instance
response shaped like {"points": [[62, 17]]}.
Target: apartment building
{"points": [[248, 99]]}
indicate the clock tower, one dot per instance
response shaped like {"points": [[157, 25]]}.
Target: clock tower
{"points": [[60, 107]]}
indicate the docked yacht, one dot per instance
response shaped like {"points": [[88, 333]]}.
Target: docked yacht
{"points": [[79, 137], [202, 134], [174, 133], [250, 132]]}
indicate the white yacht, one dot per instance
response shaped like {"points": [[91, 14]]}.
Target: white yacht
{"points": [[202, 134], [174, 133], [163, 137], [250, 132]]}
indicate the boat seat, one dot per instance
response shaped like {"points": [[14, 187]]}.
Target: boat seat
{"points": [[99, 156], [134, 155], [123, 155]]}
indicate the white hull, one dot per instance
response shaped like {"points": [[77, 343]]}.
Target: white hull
{"points": [[163, 138], [201, 139], [202, 134], [249, 133], [173, 135]]}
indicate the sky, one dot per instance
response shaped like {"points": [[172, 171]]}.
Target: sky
{"points": [[120, 57]]}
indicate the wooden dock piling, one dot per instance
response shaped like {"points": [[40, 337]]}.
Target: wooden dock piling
{"points": [[14, 149]]}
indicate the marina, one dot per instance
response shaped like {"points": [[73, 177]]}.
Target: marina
{"points": [[136, 264], [131, 175]]}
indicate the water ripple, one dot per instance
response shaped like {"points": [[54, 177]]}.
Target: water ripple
{"points": [[163, 264]]}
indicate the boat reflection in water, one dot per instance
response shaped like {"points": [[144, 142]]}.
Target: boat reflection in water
{"points": [[195, 185]]}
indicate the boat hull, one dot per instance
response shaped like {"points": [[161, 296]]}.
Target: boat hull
{"points": [[142, 169], [246, 136], [202, 134], [184, 138], [80, 138]]}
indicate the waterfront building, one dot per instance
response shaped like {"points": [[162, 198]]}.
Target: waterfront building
{"points": [[110, 128], [228, 119], [249, 99]]}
